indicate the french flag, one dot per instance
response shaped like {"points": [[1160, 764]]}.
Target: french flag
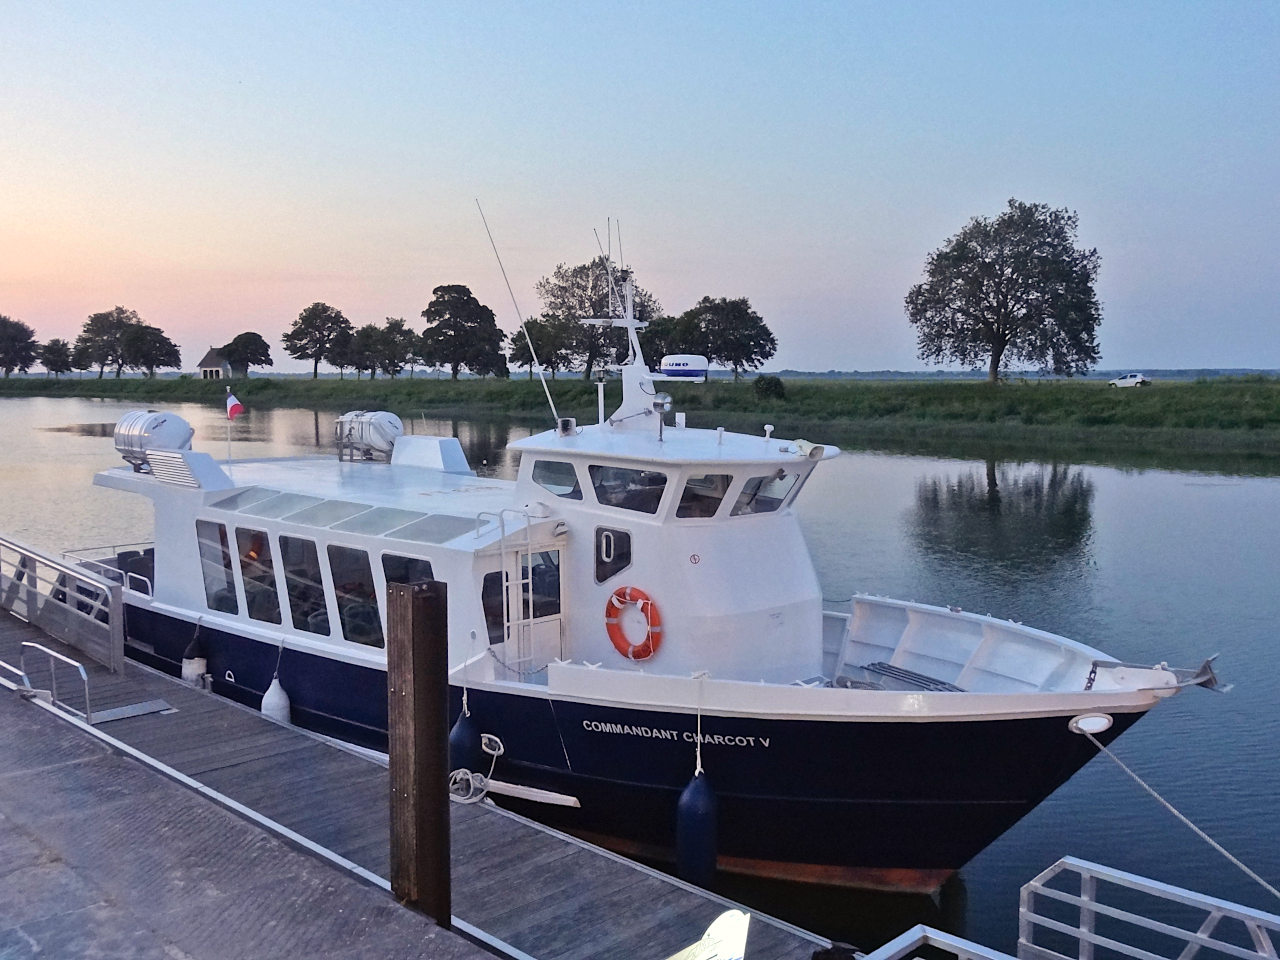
{"points": [[234, 406]]}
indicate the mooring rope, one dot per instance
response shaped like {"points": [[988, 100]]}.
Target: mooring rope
{"points": [[1172, 809]]}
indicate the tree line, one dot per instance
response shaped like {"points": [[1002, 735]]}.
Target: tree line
{"points": [[116, 338], [462, 334]]}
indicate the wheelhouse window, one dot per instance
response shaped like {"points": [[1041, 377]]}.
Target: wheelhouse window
{"points": [[405, 569], [765, 494], [357, 598], [304, 583], [258, 571], [215, 566], [702, 495], [558, 477], [613, 552], [639, 490]]}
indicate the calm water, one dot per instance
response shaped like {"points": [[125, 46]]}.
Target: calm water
{"points": [[1148, 565]]}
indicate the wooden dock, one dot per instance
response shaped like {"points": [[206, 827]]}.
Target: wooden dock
{"points": [[518, 887]]}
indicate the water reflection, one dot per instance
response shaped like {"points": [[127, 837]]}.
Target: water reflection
{"points": [[983, 535]]}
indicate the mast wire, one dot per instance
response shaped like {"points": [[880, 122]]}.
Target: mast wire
{"points": [[537, 364]]}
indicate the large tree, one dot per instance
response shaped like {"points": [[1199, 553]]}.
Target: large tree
{"points": [[312, 332], [585, 291], [1013, 288], [18, 347], [461, 332], [144, 347], [245, 351], [729, 332], [101, 339], [55, 356]]}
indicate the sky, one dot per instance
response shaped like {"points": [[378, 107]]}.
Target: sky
{"points": [[219, 166]]}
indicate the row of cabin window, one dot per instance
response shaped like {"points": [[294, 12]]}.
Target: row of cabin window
{"points": [[348, 570], [642, 490]]}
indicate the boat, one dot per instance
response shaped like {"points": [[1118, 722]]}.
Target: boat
{"points": [[639, 652]]}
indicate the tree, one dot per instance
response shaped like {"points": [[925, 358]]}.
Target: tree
{"points": [[731, 333], [144, 347], [312, 332], [245, 351], [1012, 288], [101, 339], [55, 356], [18, 347], [399, 346], [462, 332], [367, 349], [341, 352], [584, 291], [81, 358], [554, 341]]}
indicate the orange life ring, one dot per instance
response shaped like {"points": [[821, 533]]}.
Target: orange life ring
{"points": [[613, 623]]}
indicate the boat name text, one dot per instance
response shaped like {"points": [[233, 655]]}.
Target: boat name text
{"points": [[688, 736]]}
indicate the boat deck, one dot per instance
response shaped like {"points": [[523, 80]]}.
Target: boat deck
{"points": [[521, 887]]}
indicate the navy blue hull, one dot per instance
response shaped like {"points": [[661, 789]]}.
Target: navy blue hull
{"points": [[860, 802]]}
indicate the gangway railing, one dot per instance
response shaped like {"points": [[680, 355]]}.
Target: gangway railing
{"points": [[1078, 910], [81, 608], [30, 690]]}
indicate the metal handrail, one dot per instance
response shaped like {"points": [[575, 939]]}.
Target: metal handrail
{"points": [[908, 944], [130, 577], [79, 554], [54, 655], [1091, 884]]}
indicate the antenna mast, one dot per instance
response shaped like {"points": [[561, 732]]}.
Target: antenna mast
{"points": [[537, 364]]}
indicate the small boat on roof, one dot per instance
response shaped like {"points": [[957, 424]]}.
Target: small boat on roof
{"points": [[639, 604]]}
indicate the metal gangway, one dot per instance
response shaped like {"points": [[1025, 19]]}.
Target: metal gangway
{"points": [[80, 608], [1079, 910]]}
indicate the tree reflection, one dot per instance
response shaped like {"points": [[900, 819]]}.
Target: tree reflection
{"points": [[1005, 522]]}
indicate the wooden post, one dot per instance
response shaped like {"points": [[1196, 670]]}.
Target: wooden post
{"points": [[418, 734]]}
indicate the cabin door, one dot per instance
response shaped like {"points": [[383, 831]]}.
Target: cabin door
{"points": [[532, 607]]}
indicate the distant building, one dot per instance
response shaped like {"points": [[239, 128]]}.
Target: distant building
{"points": [[214, 366]]}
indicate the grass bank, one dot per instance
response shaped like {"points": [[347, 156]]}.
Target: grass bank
{"points": [[1230, 424]]}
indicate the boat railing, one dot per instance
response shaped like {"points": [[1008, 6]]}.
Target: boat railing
{"points": [[104, 560], [1078, 910], [73, 604]]}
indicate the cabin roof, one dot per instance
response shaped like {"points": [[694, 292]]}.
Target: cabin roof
{"points": [[402, 502], [678, 446]]}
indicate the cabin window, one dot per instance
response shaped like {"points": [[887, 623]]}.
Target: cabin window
{"points": [[215, 565], [406, 569], [702, 495], [613, 552], [765, 494], [558, 477], [357, 598], [305, 585], [491, 598], [639, 490], [542, 592], [258, 571]]}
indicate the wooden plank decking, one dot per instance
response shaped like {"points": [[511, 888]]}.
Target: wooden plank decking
{"points": [[544, 894]]}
